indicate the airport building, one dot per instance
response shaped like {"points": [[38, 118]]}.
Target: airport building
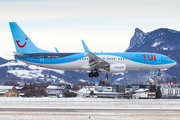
{"points": [[170, 90], [144, 94], [53, 90], [99, 91]]}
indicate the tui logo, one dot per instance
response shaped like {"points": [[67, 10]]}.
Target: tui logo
{"points": [[21, 46], [150, 58]]}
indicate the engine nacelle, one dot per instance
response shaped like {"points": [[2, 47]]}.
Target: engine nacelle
{"points": [[114, 68]]}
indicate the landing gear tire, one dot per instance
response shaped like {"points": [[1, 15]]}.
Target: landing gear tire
{"points": [[159, 74], [91, 74], [96, 74]]}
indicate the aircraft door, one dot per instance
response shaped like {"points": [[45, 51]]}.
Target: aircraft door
{"points": [[41, 59], [158, 59]]}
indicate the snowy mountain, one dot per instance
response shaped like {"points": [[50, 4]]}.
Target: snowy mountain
{"points": [[12, 70], [164, 41], [157, 40]]}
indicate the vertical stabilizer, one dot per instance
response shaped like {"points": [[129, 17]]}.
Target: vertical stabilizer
{"points": [[22, 42]]}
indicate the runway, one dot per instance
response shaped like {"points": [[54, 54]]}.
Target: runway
{"points": [[88, 108], [137, 110]]}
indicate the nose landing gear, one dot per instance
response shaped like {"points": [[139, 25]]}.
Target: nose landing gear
{"points": [[159, 74]]}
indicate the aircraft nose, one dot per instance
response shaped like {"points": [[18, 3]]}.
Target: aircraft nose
{"points": [[174, 63]]}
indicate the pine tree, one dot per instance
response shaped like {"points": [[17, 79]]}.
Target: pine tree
{"points": [[158, 93], [92, 92], [152, 88]]}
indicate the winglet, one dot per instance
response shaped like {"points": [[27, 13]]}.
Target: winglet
{"points": [[57, 51], [86, 49]]}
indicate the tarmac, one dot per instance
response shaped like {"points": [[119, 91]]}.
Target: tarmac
{"points": [[88, 108], [80, 110]]}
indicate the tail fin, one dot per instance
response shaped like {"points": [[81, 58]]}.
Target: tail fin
{"points": [[22, 42]]}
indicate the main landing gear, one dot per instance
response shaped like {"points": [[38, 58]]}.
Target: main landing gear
{"points": [[95, 74]]}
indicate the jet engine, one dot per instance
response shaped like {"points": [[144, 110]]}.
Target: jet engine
{"points": [[114, 68]]}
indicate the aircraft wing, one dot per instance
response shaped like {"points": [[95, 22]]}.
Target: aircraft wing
{"points": [[95, 62]]}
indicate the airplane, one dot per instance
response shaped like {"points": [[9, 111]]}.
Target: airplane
{"points": [[28, 52]]}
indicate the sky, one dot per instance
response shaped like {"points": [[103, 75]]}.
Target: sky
{"points": [[105, 25]]}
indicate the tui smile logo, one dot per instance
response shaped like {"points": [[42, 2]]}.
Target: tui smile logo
{"points": [[21, 46]]}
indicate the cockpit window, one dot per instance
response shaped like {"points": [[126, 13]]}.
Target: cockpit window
{"points": [[167, 58]]}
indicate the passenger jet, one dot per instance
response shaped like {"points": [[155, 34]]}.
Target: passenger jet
{"points": [[28, 52]]}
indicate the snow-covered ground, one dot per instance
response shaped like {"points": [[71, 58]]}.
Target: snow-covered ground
{"points": [[89, 103]]}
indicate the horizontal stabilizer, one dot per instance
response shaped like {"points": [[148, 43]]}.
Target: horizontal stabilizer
{"points": [[21, 55]]}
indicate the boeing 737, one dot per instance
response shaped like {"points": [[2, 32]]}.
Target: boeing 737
{"points": [[26, 51]]}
